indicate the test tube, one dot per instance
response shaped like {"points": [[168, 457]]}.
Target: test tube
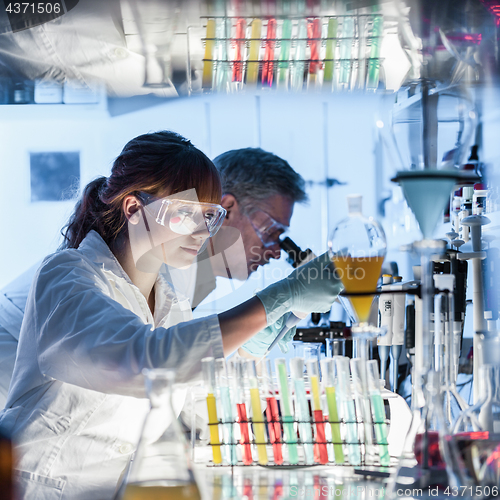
{"points": [[302, 407], [328, 381], [253, 54], [272, 412], [286, 411], [345, 50], [359, 382], [223, 77], [226, 411], [345, 395], [208, 63], [331, 45], [239, 43], [208, 368], [257, 417], [300, 55], [284, 57], [374, 63], [267, 69], [378, 411], [239, 397], [385, 315], [320, 450], [314, 35]]}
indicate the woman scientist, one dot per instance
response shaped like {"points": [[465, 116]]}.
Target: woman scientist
{"points": [[99, 312]]}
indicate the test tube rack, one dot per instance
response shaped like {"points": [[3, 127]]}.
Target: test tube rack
{"points": [[238, 443], [295, 53]]}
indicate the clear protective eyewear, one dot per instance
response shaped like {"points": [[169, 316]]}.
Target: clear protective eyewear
{"points": [[268, 230], [184, 216]]}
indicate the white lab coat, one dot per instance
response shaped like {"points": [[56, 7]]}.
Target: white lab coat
{"points": [[77, 400]]}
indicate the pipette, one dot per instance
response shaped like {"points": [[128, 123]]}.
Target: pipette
{"points": [[208, 368], [226, 411], [320, 450], [378, 411], [328, 381], [398, 329], [293, 319], [286, 411], [239, 397], [272, 412], [345, 395], [257, 417], [302, 408], [385, 315]]}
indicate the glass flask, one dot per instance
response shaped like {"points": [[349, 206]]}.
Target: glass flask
{"points": [[161, 468], [430, 462], [357, 248]]}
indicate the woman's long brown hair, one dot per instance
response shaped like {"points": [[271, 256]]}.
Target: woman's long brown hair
{"points": [[159, 163]]}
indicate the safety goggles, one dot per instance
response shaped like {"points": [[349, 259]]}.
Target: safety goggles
{"points": [[184, 216], [267, 229]]}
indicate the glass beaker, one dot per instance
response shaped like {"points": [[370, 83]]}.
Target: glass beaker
{"points": [[161, 467], [335, 347], [357, 248], [312, 350]]}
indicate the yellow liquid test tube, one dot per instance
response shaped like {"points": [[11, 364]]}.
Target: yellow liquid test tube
{"points": [[331, 44], [208, 368], [208, 63], [253, 54], [257, 417]]}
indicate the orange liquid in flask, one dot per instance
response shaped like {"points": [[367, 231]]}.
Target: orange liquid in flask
{"points": [[144, 492], [359, 274]]}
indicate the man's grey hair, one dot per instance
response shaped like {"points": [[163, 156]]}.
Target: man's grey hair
{"points": [[252, 175]]}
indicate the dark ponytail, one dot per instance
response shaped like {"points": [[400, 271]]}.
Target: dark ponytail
{"points": [[159, 163]]}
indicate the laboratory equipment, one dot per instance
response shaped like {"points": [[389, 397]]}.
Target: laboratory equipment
{"points": [[374, 61], [297, 73], [239, 53], [272, 412], [320, 450], [378, 412], [284, 57], [398, 329], [268, 67], [286, 411], [257, 416], [208, 368], [208, 63], [346, 39], [239, 374], [431, 461], [328, 371], [357, 248], [331, 46], [385, 320], [161, 467], [344, 396], [253, 53], [226, 411], [361, 396], [302, 408], [314, 37]]}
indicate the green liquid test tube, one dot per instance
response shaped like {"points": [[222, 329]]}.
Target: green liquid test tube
{"points": [[346, 49], [345, 395], [378, 412], [331, 45], [286, 411], [284, 57], [328, 374], [374, 63]]}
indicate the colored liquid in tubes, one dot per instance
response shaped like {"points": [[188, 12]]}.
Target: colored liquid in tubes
{"points": [[208, 63], [331, 44], [239, 43], [239, 372], [208, 368], [267, 69], [320, 449], [245, 434], [272, 414], [257, 418], [286, 410]]}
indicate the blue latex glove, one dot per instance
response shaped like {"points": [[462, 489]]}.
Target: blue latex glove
{"points": [[258, 344], [310, 288]]}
